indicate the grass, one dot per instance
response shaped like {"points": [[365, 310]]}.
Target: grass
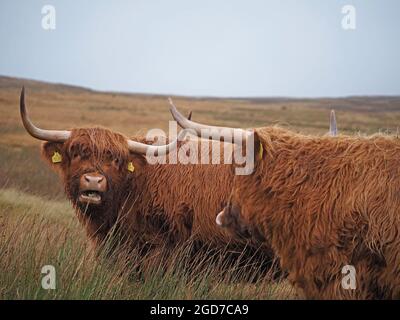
{"points": [[22, 168], [35, 233], [38, 226]]}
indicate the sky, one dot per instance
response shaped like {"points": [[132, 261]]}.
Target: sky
{"points": [[226, 48]]}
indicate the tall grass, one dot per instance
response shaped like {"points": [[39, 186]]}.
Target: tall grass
{"points": [[35, 232]]}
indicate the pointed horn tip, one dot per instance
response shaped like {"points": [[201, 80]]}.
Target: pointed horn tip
{"points": [[171, 104], [22, 102]]}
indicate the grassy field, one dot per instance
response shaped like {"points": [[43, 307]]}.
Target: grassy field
{"points": [[35, 233], [37, 224]]}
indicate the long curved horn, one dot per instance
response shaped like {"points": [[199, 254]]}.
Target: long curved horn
{"points": [[143, 148], [213, 131], [41, 134]]}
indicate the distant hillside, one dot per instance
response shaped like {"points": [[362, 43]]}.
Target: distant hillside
{"points": [[360, 103], [12, 83]]}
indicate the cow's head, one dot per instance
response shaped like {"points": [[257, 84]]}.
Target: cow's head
{"points": [[95, 163], [230, 219]]}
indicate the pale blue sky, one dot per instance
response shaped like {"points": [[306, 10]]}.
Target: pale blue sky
{"points": [[217, 48]]}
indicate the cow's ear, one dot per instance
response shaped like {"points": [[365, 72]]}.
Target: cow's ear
{"points": [[135, 162], [52, 153], [259, 148]]}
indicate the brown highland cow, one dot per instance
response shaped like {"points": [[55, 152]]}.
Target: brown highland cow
{"points": [[323, 204], [113, 188]]}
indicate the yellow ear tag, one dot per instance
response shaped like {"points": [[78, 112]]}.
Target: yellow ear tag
{"points": [[56, 158], [131, 168], [261, 150]]}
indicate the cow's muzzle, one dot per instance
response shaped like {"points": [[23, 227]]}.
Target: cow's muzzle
{"points": [[91, 188], [224, 218], [228, 217]]}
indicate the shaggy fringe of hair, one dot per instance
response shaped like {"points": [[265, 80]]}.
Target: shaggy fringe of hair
{"points": [[101, 142]]}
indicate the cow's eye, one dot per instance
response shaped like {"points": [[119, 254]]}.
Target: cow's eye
{"points": [[109, 156], [74, 155], [116, 162], [74, 152]]}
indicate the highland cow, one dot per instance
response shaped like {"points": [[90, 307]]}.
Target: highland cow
{"points": [[114, 189], [323, 204]]}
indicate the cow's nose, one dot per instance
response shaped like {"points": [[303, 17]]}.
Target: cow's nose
{"points": [[93, 181]]}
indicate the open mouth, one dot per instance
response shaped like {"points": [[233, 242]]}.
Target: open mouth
{"points": [[90, 196]]}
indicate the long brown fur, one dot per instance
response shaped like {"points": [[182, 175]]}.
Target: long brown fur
{"points": [[325, 202]]}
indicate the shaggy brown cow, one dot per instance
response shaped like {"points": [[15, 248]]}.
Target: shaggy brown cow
{"points": [[113, 187], [323, 204]]}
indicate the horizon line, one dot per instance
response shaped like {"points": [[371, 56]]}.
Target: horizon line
{"points": [[200, 97]]}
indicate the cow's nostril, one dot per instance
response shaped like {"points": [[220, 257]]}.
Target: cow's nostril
{"points": [[93, 179]]}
